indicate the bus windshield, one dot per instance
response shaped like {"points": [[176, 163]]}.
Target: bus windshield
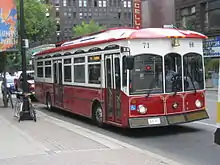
{"points": [[193, 71], [147, 74]]}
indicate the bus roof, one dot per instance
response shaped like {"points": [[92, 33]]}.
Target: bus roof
{"points": [[116, 34]]}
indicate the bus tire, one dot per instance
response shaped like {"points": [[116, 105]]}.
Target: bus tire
{"points": [[49, 102], [98, 115]]}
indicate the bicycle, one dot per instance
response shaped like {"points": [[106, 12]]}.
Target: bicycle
{"points": [[19, 108]]}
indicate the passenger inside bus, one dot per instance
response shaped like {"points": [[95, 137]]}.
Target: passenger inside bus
{"points": [[169, 74], [95, 74]]}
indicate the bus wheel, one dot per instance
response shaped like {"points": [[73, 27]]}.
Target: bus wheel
{"points": [[48, 102], [98, 115]]}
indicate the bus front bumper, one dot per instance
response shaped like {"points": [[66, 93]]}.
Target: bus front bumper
{"points": [[168, 119]]}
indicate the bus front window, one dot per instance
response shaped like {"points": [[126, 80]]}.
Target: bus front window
{"points": [[147, 75], [193, 72], [173, 73]]}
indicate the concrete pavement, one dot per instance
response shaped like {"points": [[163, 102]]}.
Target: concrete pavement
{"points": [[57, 142], [211, 89]]}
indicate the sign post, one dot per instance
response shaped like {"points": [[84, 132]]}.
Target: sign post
{"points": [[212, 50], [217, 132], [26, 113]]}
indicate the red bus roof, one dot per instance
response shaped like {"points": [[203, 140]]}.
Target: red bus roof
{"points": [[116, 34]]}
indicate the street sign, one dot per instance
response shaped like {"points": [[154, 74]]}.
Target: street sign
{"points": [[8, 25], [137, 10], [211, 47], [169, 26]]}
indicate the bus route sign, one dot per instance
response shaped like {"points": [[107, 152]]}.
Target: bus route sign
{"points": [[211, 47]]}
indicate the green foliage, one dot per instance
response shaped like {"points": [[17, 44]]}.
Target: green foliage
{"points": [[2, 61], [190, 25], [212, 65], [38, 26], [84, 28]]}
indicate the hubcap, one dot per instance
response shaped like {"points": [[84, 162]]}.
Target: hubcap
{"points": [[99, 115]]}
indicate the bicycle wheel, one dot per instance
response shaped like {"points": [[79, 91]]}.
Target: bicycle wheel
{"points": [[33, 113], [16, 107], [20, 108], [11, 101]]}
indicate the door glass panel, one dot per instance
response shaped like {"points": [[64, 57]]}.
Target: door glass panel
{"points": [[117, 86], [60, 74], [124, 72], [109, 87], [55, 73]]}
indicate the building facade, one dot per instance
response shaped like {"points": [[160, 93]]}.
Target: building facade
{"points": [[69, 13], [202, 16], [156, 13]]}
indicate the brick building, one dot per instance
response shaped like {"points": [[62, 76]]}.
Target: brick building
{"points": [[68, 13], [200, 15]]}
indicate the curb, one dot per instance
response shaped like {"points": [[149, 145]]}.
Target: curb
{"points": [[211, 89]]}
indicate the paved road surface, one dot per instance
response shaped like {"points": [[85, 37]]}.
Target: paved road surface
{"points": [[191, 144]]}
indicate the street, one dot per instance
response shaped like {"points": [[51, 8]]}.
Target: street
{"points": [[190, 144]]}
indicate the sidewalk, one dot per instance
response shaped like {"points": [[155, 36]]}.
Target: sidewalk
{"points": [[53, 141]]}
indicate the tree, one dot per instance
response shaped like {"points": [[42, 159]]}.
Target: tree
{"points": [[3, 58], [38, 26], [87, 28]]}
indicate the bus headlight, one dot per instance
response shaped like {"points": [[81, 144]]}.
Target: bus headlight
{"points": [[198, 104], [142, 109]]}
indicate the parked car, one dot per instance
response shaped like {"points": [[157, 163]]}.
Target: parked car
{"points": [[9, 84]]}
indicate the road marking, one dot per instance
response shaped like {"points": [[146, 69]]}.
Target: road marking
{"points": [[80, 150], [207, 124], [103, 138]]}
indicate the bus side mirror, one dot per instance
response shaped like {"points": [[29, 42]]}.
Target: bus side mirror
{"points": [[129, 60]]}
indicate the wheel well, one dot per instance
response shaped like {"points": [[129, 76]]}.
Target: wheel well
{"points": [[94, 105]]}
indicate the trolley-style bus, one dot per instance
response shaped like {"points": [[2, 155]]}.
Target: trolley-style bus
{"points": [[126, 77]]}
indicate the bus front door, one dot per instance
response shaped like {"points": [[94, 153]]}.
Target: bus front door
{"points": [[113, 88], [58, 83]]}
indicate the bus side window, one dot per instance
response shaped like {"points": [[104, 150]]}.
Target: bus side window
{"points": [[124, 72], [94, 73]]}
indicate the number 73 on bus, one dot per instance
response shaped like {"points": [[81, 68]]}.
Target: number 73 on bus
{"points": [[125, 77]]}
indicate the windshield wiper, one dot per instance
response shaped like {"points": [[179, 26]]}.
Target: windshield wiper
{"points": [[149, 91], [175, 83], [188, 74]]}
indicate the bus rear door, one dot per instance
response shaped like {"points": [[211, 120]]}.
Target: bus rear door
{"points": [[58, 83], [113, 88]]}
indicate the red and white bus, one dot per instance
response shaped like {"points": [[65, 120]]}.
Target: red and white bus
{"points": [[126, 77]]}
